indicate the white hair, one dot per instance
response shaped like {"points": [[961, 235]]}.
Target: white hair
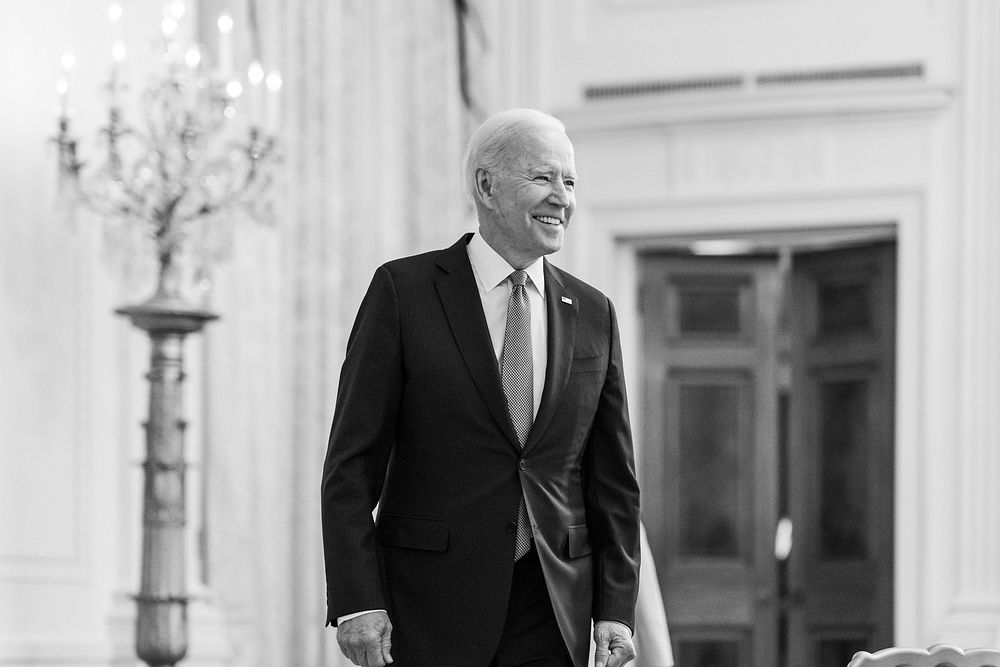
{"points": [[486, 148]]}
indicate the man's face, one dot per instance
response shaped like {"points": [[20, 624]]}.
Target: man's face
{"points": [[534, 197]]}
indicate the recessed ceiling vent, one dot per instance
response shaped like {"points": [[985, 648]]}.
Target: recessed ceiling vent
{"points": [[660, 87], [873, 73]]}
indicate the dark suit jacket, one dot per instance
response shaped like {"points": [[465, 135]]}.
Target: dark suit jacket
{"points": [[421, 427]]}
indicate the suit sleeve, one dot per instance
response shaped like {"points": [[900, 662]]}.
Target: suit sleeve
{"points": [[612, 496], [361, 440]]}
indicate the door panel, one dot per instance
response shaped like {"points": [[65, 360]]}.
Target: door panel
{"points": [[842, 427], [708, 361], [768, 391]]}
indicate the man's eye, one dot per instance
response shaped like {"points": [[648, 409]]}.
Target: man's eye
{"points": [[570, 184], [542, 177]]}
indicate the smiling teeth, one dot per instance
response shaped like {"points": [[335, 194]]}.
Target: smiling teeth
{"points": [[548, 220]]}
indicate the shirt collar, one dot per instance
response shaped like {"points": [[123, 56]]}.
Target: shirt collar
{"points": [[492, 270]]}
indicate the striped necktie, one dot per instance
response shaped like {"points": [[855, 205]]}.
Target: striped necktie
{"points": [[517, 377]]}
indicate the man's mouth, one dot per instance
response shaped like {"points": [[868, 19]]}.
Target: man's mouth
{"points": [[547, 219]]}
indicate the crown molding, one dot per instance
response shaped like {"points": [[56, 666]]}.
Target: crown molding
{"points": [[868, 99]]}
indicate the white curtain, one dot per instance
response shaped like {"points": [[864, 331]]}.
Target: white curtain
{"points": [[373, 128]]}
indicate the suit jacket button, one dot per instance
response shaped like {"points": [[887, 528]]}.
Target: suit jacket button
{"points": [[522, 464], [511, 527]]}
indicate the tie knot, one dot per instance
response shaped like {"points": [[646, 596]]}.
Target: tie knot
{"points": [[519, 278]]}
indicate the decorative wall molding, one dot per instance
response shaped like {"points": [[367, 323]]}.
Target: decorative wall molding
{"points": [[768, 156], [50, 541], [901, 97]]}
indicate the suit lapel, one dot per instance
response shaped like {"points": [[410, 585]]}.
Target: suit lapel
{"points": [[562, 314], [460, 298]]}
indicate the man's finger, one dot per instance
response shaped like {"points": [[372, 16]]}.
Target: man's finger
{"points": [[364, 656], [386, 647], [373, 657], [615, 659], [620, 654], [601, 653]]}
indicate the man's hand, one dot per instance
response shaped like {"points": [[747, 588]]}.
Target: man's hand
{"points": [[367, 639], [614, 644]]}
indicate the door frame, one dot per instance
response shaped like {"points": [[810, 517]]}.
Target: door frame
{"points": [[751, 255]]}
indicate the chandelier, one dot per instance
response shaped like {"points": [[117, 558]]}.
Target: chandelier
{"points": [[196, 146]]}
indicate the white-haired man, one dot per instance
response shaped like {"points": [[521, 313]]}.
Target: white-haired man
{"points": [[482, 407]]}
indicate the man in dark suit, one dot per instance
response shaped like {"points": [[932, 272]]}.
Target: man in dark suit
{"points": [[482, 408]]}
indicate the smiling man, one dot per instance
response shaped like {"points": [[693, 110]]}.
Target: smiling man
{"points": [[482, 408]]}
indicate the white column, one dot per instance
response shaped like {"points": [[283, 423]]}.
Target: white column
{"points": [[974, 615]]}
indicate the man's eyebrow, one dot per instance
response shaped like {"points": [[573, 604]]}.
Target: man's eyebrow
{"points": [[545, 169]]}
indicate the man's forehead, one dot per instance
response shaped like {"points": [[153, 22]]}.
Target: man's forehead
{"points": [[544, 148], [547, 162]]}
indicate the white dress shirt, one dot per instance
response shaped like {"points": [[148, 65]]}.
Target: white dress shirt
{"points": [[492, 272]]}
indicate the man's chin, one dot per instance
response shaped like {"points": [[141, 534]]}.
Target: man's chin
{"points": [[549, 248], [552, 241]]}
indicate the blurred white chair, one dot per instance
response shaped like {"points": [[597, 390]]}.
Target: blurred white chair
{"points": [[939, 655], [652, 638]]}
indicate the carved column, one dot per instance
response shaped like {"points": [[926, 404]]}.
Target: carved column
{"points": [[974, 615], [161, 624]]}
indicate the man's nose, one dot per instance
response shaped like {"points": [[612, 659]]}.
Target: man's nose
{"points": [[560, 194]]}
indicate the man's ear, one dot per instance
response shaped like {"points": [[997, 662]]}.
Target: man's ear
{"points": [[485, 187]]}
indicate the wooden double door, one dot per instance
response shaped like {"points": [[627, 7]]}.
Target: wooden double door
{"points": [[767, 455]]}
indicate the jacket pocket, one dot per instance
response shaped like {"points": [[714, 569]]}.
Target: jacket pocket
{"points": [[412, 532], [578, 541], [589, 364]]}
